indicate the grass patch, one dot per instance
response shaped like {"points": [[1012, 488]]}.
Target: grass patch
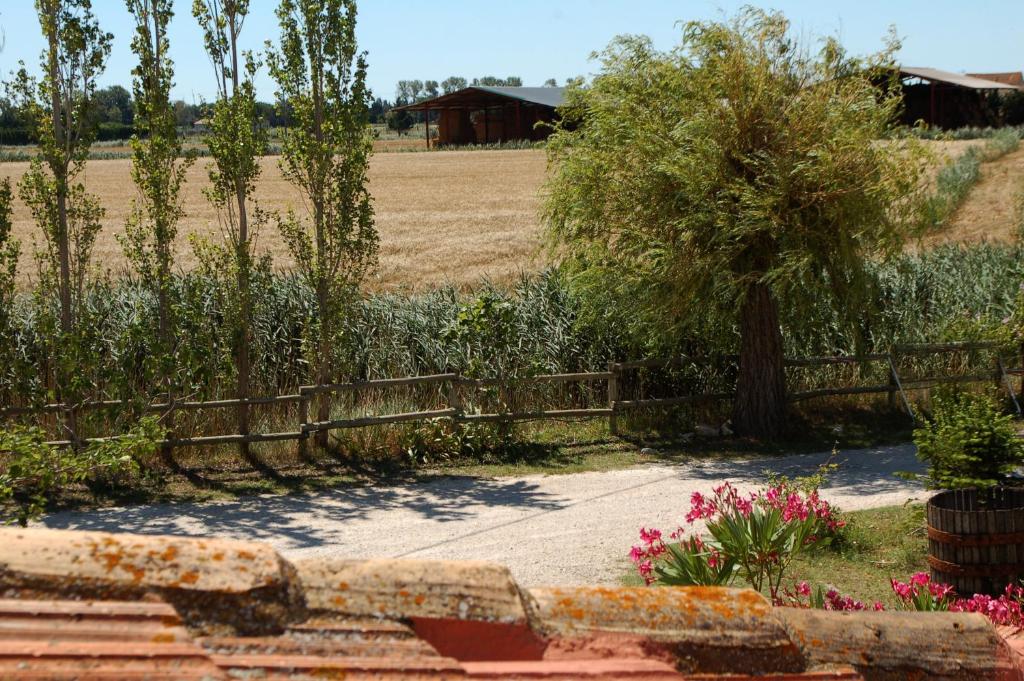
{"points": [[877, 545], [955, 180]]}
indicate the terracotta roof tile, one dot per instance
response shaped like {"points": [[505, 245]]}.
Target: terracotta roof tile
{"points": [[97, 641], [66, 617]]}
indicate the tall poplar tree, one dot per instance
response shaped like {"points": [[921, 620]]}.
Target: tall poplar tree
{"points": [[158, 172], [10, 249], [57, 107], [236, 142], [325, 152]]}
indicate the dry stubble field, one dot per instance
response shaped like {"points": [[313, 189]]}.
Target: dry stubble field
{"points": [[455, 216]]}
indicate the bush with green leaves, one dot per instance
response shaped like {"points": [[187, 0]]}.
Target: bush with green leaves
{"points": [[753, 538], [967, 441], [36, 473]]}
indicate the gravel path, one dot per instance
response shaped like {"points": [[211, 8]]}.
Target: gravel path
{"points": [[558, 529]]}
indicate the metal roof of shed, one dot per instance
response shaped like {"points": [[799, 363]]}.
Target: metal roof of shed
{"points": [[1015, 78], [476, 95], [950, 78]]}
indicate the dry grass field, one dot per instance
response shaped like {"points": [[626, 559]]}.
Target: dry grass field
{"points": [[442, 216], [990, 211], [455, 216]]}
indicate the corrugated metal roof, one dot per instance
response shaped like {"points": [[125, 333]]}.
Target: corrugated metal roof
{"points": [[473, 95], [1015, 78], [545, 96], [950, 78]]}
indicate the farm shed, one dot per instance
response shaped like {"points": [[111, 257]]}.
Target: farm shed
{"points": [[485, 115], [948, 100], [1015, 78]]}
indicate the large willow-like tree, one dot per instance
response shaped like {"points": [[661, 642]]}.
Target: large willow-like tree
{"points": [[738, 169], [325, 152]]}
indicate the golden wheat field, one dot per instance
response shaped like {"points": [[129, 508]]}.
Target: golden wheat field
{"points": [[452, 216], [455, 216]]}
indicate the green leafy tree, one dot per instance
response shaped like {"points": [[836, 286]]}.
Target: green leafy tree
{"points": [[738, 169], [453, 84], [158, 172], [236, 142], [113, 104], [57, 107], [321, 74], [9, 251], [398, 121]]}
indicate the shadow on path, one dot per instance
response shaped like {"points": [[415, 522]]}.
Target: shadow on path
{"points": [[861, 471], [287, 518]]}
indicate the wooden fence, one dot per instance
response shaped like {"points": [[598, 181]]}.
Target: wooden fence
{"points": [[896, 387]]}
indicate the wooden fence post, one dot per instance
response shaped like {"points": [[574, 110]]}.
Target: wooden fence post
{"points": [[613, 397], [892, 383], [454, 400], [303, 421], [895, 379], [1005, 378]]}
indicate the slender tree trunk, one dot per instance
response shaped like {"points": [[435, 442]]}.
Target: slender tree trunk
{"points": [[59, 168], [242, 264], [322, 267], [324, 357], [245, 312], [760, 406]]}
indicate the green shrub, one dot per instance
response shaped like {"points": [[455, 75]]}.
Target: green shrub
{"points": [[967, 442], [36, 472]]}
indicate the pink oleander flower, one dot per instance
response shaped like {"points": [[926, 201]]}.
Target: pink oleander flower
{"points": [[650, 536], [745, 507], [803, 589], [902, 590]]}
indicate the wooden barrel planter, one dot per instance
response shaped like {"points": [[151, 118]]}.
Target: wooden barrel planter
{"points": [[976, 539]]}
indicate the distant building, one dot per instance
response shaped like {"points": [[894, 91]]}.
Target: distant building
{"points": [[1014, 78], [485, 115], [948, 100]]}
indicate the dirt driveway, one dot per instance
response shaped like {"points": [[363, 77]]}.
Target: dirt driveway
{"points": [[556, 530]]}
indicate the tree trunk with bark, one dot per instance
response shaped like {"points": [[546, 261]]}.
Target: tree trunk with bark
{"points": [[759, 409]]}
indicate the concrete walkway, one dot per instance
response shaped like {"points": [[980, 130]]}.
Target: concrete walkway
{"points": [[558, 529]]}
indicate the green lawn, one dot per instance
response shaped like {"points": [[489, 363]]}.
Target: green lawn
{"points": [[876, 546]]}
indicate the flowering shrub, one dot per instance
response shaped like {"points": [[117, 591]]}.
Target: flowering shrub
{"points": [[918, 594], [803, 597], [921, 593], [1007, 609], [753, 537]]}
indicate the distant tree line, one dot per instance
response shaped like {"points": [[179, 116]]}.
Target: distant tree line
{"points": [[112, 116]]}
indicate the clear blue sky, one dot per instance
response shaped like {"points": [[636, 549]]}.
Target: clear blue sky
{"points": [[541, 39]]}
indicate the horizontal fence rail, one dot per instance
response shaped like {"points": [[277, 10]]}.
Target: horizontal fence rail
{"points": [[450, 383]]}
